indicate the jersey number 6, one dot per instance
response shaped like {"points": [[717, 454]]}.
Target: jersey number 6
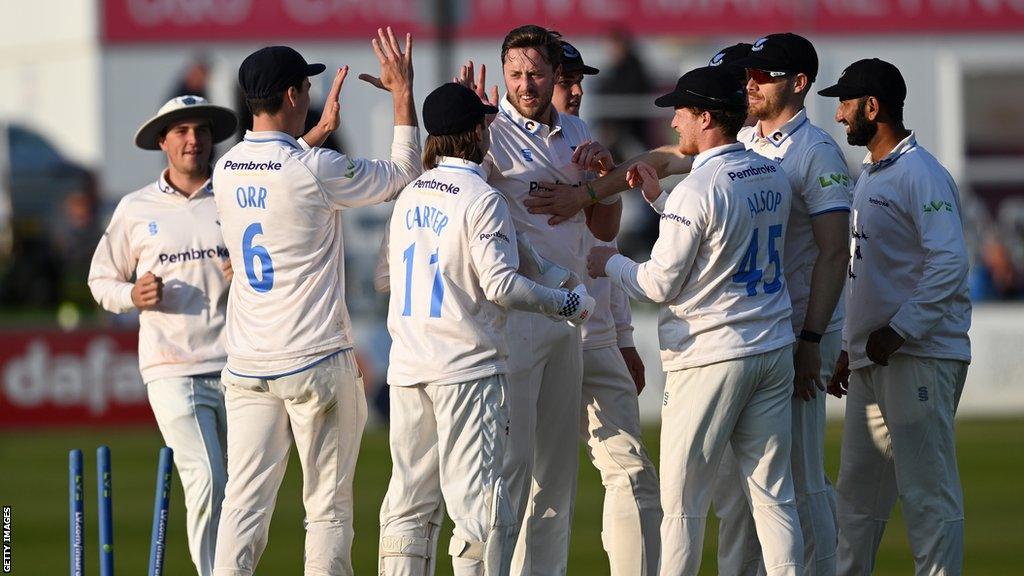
{"points": [[251, 252]]}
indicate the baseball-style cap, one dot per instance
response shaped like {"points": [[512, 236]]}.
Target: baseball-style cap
{"points": [[869, 77], [784, 52], [453, 109], [572, 61], [728, 56], [709, 88], [222, 120], [271, 70]]}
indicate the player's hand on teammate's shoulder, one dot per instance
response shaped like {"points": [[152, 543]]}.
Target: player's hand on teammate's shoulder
{"points": [[478, 84], [598, 259], [395, 64], [148, 291], [839, 384], [593, 156], [807, 370], [642, 175]]}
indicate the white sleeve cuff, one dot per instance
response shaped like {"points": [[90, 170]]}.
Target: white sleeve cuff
{"points": [[659, 203], [903, 334], [625, 338], [406, 135], [611, 199], [123, 298], [303, 144], [613, 268]]}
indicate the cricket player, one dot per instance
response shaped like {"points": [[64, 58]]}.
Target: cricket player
{"points": [[168, 238], [780, 70], [613, 377], [291, 374], [531, 142], [905, 344], [453, 261], [726, 341]]}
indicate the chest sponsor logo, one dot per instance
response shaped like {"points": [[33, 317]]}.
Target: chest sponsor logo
{"points": [[937, 206], [833, 178], [878, 201], [193, 254], [152, 228]]}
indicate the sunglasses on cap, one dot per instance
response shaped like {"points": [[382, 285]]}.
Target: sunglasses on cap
{"points": [[765, 76]]}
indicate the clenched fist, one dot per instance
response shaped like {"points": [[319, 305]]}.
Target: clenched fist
{"points": [[148, 291]]}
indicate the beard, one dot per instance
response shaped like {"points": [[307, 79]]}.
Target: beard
{"points": [[861, 130], [538, 112]]}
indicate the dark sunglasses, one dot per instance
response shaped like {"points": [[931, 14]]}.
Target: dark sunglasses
{"points": [[765, 76]]}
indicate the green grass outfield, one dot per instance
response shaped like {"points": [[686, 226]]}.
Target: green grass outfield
{"points": [[33, 480]]}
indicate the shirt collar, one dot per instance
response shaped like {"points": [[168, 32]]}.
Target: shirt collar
{"points": [[526, 124], [265, 136], [778, 137], [165, 186], [702, 158], [902, 148], [451, 164]]}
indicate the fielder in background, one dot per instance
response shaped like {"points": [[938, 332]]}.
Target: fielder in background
{"points": [[613, 377], [905, 344], [724, 327], [453, 260], [167, 236], [531, 142], [780, 69], [291, 373]]}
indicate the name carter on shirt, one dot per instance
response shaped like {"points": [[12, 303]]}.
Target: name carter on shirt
{"points": [[426, 217]]}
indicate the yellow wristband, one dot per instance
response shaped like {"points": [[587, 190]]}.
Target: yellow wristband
{"points": [[593, 195]]}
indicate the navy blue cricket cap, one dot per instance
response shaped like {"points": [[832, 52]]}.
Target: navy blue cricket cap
{"points": [[572, 61], [707, 88], [453, 109], [869, 77], [728, 56], [271, 70], [785, 52]]}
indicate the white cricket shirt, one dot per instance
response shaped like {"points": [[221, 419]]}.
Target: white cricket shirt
{"points": [[452, 261], [522, 154], [280, 208], [156, 229], [821, 184], [908, 262], [716, 267]]}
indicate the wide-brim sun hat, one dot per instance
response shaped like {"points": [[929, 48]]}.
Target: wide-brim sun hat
{"points": [[222, 120]]}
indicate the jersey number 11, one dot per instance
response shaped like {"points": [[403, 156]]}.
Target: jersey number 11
{"points": [[436, 291]]}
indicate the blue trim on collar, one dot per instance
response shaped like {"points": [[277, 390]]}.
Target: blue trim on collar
{"points": [[727, 149], [296, 371], [272, 139], [460, 168]]}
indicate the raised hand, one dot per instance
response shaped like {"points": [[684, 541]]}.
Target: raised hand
{"points": [[395, 64], [330, 119], [645, 177], [594, 157], [479, 84]]}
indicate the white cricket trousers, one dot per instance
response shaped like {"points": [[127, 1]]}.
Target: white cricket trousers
{"points": [[898, 441], [610, 428], [745, 403], [447, 447], [322, 409], [739, 553], [190, 413], [542, 458]]}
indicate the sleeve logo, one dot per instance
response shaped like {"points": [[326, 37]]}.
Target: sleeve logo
{"points": [[826, 180], [937, 206]]}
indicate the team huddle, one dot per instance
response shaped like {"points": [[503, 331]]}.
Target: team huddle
{"points": [[778, 278]]}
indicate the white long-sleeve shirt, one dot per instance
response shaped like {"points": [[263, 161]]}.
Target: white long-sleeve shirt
{"points": [[821, 184], [280, 208], [156, 229], [716, 267], [610, 324], [452, 261], [908, 262]]}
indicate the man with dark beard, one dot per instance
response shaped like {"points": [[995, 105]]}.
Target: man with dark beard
{"points": [[780, 69], [905, 344]]}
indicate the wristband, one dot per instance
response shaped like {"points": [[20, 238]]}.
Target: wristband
{"points": [[610, 200], [593, 195], [808, 336]]}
